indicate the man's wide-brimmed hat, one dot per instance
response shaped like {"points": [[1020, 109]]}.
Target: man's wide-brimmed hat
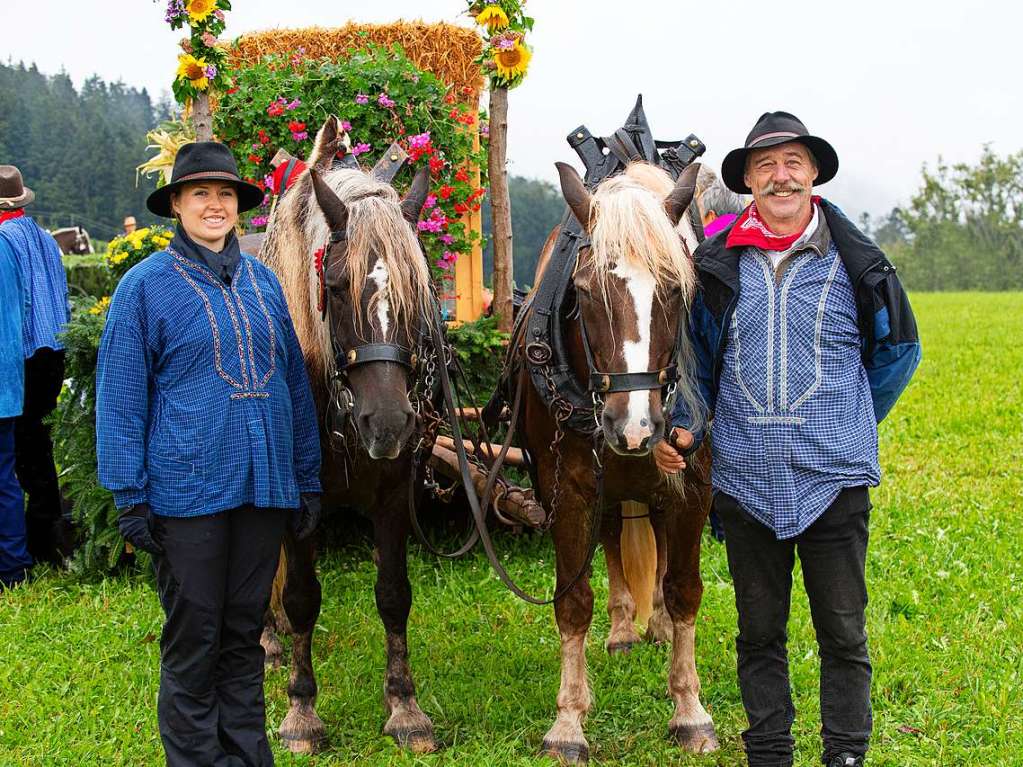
{"points": [[775, 128], [13, 192], [204, 161]]}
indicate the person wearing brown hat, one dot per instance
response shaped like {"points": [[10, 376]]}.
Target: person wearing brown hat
{"points": [[207, 435], [47, 312], [805, 340]]}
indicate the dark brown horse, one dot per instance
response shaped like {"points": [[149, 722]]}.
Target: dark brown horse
{"points": [[633, 284], [374, 292], [73, 240]]}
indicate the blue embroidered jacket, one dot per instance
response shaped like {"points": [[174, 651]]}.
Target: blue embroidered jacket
{"points": [[12, 358], [45, 284], [797, 371], [203, 403]]}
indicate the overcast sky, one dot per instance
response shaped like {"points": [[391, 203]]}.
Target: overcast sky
{"points": [[891, 84]]}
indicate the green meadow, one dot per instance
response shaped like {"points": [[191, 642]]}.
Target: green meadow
{"points": [[79, 661]]}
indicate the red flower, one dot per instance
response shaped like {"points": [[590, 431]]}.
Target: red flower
{"points": [[296, 127], [255, 159], [467, 119], [232, 90], [461, 175], [263, 138], [461, 207], [445, 192], [436, 164], [453, 114], [449, 99]]}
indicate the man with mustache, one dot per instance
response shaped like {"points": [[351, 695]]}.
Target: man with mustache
{"points": [[805, 340]]}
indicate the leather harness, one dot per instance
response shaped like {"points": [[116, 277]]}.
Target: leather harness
{"points": [[540, 327]]}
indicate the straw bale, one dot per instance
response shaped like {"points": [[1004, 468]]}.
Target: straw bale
{"points": [[446, 50]]}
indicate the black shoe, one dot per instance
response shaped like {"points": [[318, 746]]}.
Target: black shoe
{"points": [[845, 759]]}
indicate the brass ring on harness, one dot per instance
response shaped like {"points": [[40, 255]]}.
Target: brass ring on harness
{"points": [[538, 352]]}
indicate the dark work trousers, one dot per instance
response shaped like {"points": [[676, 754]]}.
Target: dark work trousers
{"points": [[214, 579], [832, 552], [14, 559], [44, 376]]}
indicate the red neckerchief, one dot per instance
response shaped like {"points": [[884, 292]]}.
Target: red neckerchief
{"points": [[750, 229], [7, 215]]}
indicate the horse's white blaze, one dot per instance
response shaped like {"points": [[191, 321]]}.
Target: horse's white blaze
{"points": [[380, 276], [641, 286]]}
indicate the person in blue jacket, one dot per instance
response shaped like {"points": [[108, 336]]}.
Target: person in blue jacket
{"points": [[804, 339], [208, 438], [14, 558], [47, 311]]}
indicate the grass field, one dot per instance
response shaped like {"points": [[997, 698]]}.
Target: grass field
{"points": [[79, 668]]}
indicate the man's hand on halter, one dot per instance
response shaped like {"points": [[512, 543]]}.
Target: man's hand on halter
{"points": [[668, 452]]}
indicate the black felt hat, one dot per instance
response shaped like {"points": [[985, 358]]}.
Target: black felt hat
{"points": [[204, 161], [775, 128]]}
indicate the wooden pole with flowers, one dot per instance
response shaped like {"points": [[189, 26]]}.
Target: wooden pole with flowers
{"points": [[201, 64], [505, 60]]}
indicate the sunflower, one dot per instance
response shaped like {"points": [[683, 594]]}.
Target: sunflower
{"points": [[198, 10], [493, 18], [512, 62], [194, 70]]}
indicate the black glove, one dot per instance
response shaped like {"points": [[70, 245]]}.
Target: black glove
{"points": [[306, 517], [135, 528]]}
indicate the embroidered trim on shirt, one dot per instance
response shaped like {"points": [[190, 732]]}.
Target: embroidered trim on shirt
{"points": [[251, 395], [213, 326], [248, 328], [764, 419], [269, 323], [783, 376], [769, 280], [817, 351], [227, 302]]}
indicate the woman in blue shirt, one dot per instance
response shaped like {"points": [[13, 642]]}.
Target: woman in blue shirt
{"points": [[208, 438]]}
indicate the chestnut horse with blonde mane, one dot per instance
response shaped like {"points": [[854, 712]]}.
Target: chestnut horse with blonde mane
{"points": [[633, 282]]}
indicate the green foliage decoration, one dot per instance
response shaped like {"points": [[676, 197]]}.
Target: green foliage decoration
{"points": [[380, 97], [74, 421], [480, 349]]}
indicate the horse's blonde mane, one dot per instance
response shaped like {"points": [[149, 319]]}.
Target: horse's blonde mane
{"points": [[630, 225], [375, 224]]}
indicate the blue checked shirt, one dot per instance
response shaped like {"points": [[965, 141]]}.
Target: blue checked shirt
{"points": [[203, 403], [794, 421], [45, 284]]}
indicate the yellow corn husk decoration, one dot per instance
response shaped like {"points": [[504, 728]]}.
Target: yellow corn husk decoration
{"points": [[168, 141]]}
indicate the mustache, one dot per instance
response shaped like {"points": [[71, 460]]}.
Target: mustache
{"points": [[790, 186]]}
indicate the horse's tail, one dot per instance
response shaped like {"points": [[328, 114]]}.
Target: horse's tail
{"points": [[277, 594], [639, 557]]}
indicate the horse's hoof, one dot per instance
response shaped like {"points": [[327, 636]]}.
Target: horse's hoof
{"points": [[417, 740], [303, 732], [298, 745], [697, 738], [567, 753], [620, 648]]}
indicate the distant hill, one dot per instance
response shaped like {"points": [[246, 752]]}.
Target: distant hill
{"points": [[537, 207], [76, 149]]}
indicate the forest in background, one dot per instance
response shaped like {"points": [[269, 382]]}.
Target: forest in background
{"points": [[78, 150]]}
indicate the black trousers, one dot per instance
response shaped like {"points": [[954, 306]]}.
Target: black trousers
{"points": [[44, 376], [832, 552], [214, 579]]}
